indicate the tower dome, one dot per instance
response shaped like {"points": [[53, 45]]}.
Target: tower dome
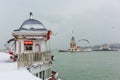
{"points": [[32, 25]]}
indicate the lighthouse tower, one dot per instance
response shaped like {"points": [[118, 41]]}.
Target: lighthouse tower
{"points": [[31, 47], [72, 44]]}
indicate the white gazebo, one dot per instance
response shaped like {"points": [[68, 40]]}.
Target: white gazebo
{"points": [[31, 47]]}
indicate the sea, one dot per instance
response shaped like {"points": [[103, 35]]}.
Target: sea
{"points": [[94, 65]]}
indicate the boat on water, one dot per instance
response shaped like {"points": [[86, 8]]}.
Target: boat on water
{"points": [[75, 48]]}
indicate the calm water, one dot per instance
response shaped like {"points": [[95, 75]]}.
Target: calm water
{"points": [[88, 65]]}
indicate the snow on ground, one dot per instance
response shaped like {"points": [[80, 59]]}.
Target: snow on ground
{"points": [[9, 71]]}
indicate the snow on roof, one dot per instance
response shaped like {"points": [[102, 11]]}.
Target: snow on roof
{"points": [[32, 25], [9, 71]]}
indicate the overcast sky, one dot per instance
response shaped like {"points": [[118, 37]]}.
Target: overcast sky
{"points": [[95, 20]]}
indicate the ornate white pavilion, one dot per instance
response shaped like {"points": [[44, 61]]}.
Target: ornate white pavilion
{"points": [[31, 48]]}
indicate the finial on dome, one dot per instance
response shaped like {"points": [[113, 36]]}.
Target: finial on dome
{"points": [[31, 15]]}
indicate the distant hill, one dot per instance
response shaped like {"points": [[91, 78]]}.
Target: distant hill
{"points": [[115, 46], [112, 46]]}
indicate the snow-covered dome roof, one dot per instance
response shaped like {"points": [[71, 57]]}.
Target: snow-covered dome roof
{"points": [[32, 25]]}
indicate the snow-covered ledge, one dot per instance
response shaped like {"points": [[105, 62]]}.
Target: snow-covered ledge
{"points": [[9, 71]]}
